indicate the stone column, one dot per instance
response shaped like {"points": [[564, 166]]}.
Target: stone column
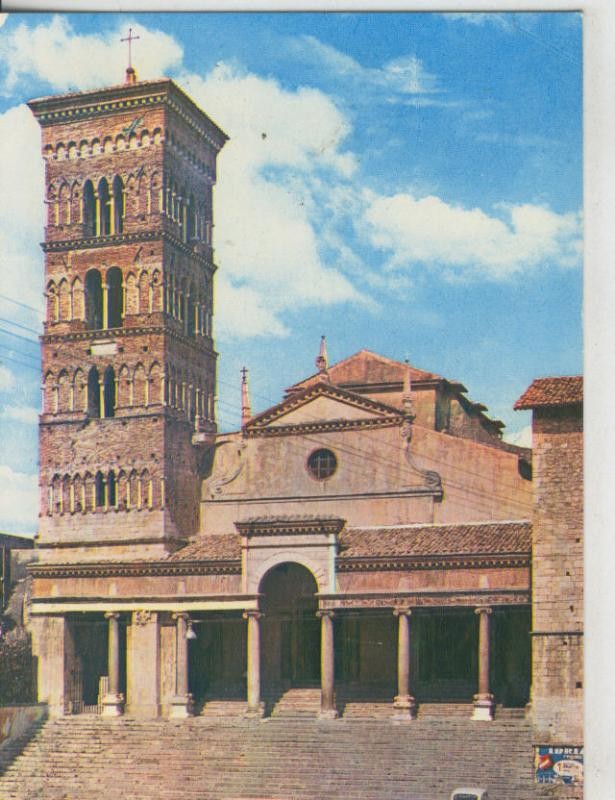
{"points": [[105, 306], [113, 701], [483, 701], [181, 704], [256, 708], [404, 704], [327, 666]]}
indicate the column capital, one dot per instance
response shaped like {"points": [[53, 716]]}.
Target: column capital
{"points": [[112, 614], [483, 610], [252, 614], [180, 615], [402, 611], [325, 612]]}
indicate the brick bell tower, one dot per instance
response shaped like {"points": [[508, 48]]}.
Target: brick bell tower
{"points": [[129, 366]]}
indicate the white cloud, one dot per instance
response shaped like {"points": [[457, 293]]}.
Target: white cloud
{"points": [[480, 18], [268, 196], [3, 19], [21, 212], [405, 75], [468, 242], [7, 379], [522, 438], [24, 414], [18, 500], [52, 52]]}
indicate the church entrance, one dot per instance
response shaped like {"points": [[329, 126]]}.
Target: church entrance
{"points": [[290, 628]]}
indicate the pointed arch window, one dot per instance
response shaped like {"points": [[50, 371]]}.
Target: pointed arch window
{"points": [[89, 209], [115, 298], [104, 211], [118, 205], [112, 489], [93, 300], [99, 490], [93, 393], [109, 393]]}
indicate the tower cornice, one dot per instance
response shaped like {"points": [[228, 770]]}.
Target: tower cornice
{"points": [[78, 106]]}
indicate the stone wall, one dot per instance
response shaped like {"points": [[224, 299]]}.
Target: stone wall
{"points": [[557, 657]]}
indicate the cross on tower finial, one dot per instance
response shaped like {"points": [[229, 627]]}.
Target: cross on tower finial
{"points": [[130, 39]]}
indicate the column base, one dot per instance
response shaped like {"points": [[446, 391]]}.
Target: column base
{"points": [[181, 707], [483, 708], [404, 707], [112, 705], [255, 712], [328, 713]]}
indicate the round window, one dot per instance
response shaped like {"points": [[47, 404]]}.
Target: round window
{"points": [[322, 464]]}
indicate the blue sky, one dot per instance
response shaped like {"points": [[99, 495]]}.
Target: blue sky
{"points": [[409, 183]]}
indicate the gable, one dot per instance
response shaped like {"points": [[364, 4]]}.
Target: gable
{"points": [[323, 404], [322, 408]]}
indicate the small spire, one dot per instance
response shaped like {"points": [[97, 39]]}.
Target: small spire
{"points": [[322, 360], [246, 408]]}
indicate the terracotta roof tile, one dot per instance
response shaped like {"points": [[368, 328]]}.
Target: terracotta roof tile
{"points": [[402, 540], [216, 547], [419, 540], [552, 392]]}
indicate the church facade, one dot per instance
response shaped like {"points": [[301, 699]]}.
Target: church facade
{"points": [[369, 537]]}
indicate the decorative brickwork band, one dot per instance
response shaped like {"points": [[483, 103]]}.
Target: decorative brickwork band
{"points": [[256, 708], [113, 701], [181, 704], [483, 701], [404, 704], [327, 666]]}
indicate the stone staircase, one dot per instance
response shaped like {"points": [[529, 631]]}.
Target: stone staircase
{"points": [[278, 758]]}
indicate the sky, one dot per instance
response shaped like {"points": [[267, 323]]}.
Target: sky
{"points": [[410, 183]]}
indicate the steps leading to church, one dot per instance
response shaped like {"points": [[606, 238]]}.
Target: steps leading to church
{"points": [[279, 758]]}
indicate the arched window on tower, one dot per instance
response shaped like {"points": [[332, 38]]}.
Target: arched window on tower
{"points": [[118, 205], [93, 393], [109, 393], [112, 489], [93, 300], [190, 311], [115, 298], [89, 209], [99, 490], [104, 202]]}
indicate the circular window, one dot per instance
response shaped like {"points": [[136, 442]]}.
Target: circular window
{"points": [[322, 464]]}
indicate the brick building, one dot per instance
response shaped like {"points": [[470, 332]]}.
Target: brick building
{"points": [[367, 540], [557, 562]]}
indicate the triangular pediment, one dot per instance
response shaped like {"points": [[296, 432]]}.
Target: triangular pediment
{"points": [[322, 403]]}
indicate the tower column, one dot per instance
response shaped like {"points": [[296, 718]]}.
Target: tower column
{"points": [[181, 704], [327, 666], [483, 701], [113, 701], [256, 708], [404, 704], [105, 306]]}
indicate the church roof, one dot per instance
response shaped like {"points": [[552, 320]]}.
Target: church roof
{"points": [[552, 392], [216, 547], [398, 540], [364, 368], [430, 540]]}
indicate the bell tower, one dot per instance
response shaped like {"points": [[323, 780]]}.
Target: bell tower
{"points": [[129, 366]]}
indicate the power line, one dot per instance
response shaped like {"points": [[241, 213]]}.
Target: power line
{"points": [[19, 303], [18, 325], [18, 336]]}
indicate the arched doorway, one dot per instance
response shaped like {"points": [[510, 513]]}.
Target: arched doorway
{"points": [[290, 628]]}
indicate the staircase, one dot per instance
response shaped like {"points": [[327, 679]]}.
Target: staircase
{"points": [[278, 758]]}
